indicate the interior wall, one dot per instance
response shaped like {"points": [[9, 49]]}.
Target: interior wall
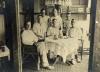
{"points": [[79, 2], [21, 15], [2, 28], [37, 8], [26, 10]]}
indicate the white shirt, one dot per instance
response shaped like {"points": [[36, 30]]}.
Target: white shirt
{"points": [[75, 33], [44, 21], [39, 30], [52, 31], [59, 20], [28, 37]]}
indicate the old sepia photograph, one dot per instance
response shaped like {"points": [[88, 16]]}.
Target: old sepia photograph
{"points": [[49, 36]]}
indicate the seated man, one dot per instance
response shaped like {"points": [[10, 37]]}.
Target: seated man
{"points": [[61, 47], [40, 32], [28, 37], [53, 31], [76, 34]]}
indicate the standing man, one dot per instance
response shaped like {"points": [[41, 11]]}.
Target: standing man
{"points": [[40, 32]]}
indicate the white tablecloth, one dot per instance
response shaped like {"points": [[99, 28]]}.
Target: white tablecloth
{"points": [[62, 47], [6, 53]]}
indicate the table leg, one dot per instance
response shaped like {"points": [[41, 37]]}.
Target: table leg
{"points": [[57, 59]]}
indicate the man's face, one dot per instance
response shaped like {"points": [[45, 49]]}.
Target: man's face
{"points": [[28, 26], [54, 23], [43, 12]]}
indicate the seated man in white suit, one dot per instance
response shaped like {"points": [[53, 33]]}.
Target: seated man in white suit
{"points": [[40, 32]]}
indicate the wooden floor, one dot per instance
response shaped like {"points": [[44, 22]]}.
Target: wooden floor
{"points": [[59, 67]]}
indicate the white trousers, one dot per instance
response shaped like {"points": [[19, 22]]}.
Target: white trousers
{"points": [[43, 52]]}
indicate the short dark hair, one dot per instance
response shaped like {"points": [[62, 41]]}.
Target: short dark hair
{"points": [[26, 24], [45, 10], [73, 19], [54, 19]]}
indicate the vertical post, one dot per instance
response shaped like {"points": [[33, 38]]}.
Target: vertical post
{"points": [[18, 36], [12, 31], [88, 15], [92, 30], [89, 3]]}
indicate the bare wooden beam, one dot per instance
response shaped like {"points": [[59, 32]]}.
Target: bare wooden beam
{"points": [[18, 36]]}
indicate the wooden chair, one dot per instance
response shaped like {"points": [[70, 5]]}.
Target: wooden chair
{"points": [[31, 51], [80, 50]]}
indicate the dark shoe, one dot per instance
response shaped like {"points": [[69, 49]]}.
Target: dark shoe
{"points": [[68, 63], [73, 62]]}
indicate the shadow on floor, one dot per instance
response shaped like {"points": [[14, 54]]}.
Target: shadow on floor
{"points": [[60, 67], [5, 65]]}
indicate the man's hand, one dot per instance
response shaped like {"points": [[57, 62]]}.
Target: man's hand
{"points": [[55, 37], [41, 40], [40, 36], [35, 43]]}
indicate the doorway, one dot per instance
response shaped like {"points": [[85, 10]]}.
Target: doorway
{"points": [[80, 9]]}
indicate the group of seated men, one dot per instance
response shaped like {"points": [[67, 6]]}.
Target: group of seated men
{"points": [[50, 27]]}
